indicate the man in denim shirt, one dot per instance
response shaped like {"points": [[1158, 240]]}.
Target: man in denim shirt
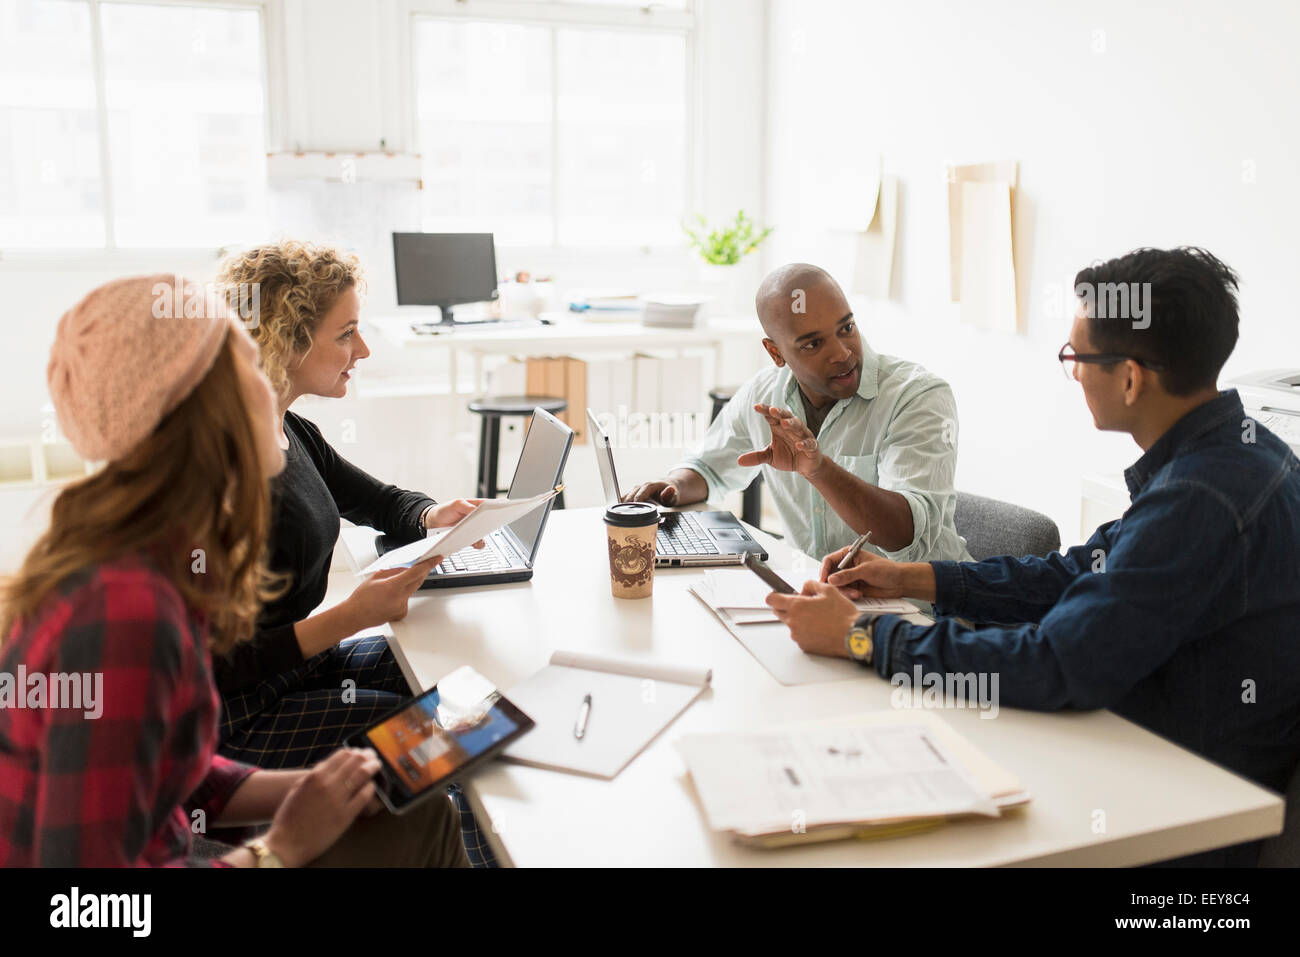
{"points": [[1184, 614]]}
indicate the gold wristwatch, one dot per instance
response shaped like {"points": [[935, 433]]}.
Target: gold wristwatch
{"points": [[265, 856], [860, 644]]}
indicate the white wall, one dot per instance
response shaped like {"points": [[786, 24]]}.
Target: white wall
{"points": [[1133, 124]]}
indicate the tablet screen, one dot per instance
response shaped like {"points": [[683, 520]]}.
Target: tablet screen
{"points": [[425, 743]]}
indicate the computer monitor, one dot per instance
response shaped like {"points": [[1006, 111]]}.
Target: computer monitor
{"points": [[444, 270]]}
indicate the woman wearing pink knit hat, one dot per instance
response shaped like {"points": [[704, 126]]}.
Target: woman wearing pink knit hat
{"points": [[149, 567]]}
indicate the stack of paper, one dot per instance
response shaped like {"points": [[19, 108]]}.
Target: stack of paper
{"points": [[739, 597], [867, 775]]}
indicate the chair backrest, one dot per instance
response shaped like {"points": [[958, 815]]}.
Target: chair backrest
{"points": [[1284, 850], [991, 527]]}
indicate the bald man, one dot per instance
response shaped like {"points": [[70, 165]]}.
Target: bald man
{"points": [[847, 441]]}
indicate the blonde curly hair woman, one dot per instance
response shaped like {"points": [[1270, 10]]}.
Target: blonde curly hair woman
{"points": [[283, 706]]}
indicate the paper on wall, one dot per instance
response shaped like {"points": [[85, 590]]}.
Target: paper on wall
{"points": [[874, 263], [1001, 171], [988, 277], [846, 196]]}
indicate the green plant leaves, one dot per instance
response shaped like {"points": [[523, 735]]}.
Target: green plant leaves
{"points": [[728, 244]]}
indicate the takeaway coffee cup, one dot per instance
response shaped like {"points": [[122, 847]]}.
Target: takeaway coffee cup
{"points": [[630, 530]]}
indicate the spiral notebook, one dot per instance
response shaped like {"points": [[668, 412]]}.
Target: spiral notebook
{"points": [[632, 701]]}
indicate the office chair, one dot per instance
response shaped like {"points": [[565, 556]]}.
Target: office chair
{"points": [[991, 527]]}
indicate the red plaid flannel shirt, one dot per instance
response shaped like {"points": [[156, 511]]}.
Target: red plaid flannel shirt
{"points": [[119, 790]]}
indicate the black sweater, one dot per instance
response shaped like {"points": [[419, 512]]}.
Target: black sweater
{"points": [[316, 487]]}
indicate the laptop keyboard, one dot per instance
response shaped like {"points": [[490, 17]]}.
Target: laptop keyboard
{"points": [[487, 559], [686, 537]]}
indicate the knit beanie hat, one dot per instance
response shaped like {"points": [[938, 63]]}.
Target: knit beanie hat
{"points": [[128, 354]]}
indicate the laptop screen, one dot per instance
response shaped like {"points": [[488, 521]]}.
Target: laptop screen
{"points": [[604, 460], [540, 468]]}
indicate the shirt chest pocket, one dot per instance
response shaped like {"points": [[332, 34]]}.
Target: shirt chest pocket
{"points": [[863, 466]]}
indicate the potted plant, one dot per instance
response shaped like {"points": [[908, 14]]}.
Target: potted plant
{"points": [[728, 244], [722, 251]]}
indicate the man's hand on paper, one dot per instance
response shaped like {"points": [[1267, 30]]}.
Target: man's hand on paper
{"points": [[383, 596], [819, 619], [793, 447], [449, 513]]}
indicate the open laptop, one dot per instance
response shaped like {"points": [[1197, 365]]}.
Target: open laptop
{"points": [[685, 538], [509, 552]]}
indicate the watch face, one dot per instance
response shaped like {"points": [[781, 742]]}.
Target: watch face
{"points": [[860, 644]]}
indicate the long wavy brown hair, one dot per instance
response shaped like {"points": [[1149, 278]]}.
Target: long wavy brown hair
{"points": [[191, 498]]}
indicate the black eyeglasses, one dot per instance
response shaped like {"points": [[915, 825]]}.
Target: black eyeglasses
{"points": [[1067, 357]]}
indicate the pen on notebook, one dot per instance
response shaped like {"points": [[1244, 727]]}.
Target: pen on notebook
{"points": [[853, 550], [584, 711]]}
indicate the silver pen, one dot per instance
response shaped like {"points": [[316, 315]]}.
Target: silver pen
{"points": [[853, 550], [584, 712]]}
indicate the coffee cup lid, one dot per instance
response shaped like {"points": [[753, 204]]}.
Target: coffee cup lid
{"points": [[632, 515]]}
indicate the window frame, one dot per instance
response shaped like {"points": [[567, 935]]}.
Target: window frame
{"points": [[648, 18], [271, 21]]}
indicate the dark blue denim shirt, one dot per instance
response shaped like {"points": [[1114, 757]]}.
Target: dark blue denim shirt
{"points": [[1183, 615]]}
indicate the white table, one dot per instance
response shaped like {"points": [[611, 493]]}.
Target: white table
{"points": [[567, 336], [1151, 799]]}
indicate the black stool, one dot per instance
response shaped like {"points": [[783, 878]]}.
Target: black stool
{"points": [[494, 408], [751, 500]]}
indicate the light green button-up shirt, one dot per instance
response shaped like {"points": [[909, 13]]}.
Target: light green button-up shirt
{"points": [[898, 432]]}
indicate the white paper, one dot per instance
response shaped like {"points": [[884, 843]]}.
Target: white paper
{"points": [[764, 636], [741, 588], [779, 780], [631, 703], [734, 589], [1002, 171], [988, 274], [845, 195], [696, 675], [478, 524], [873, 267]]}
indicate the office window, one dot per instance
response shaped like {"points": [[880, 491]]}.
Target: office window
{"points": [[51, 192], [484, 106], [186, 123], [552, 134], [184, 91]]}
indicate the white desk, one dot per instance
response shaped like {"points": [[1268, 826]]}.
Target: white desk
{"points": [[1158, 800], [567, 336]]}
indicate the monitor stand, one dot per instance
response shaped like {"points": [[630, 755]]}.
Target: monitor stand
{"points": [[449, 323], [449, 319]]}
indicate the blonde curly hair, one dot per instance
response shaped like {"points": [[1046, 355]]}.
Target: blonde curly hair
{"points": [[298, 284]]}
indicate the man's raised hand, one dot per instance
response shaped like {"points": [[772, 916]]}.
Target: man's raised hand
{"points": [[793, 447]]}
